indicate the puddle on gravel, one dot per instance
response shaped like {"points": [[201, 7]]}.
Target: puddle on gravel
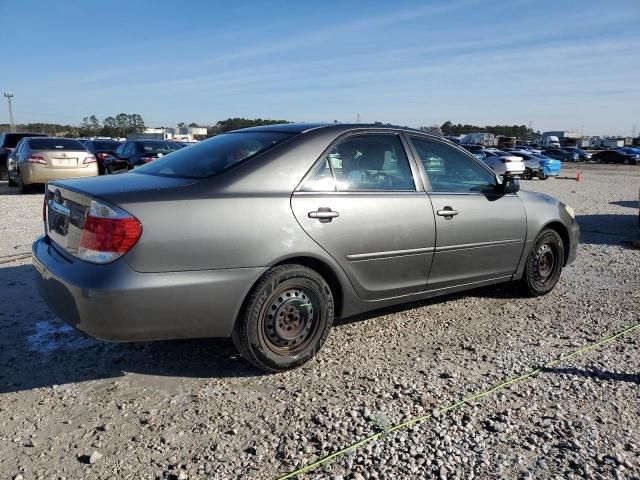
{"points": [[54, 335]]}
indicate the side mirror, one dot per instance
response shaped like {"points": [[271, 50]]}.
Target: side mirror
{"points": [[509, 185]]}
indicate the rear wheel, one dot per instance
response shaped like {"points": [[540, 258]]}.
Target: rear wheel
{"points": [[24, 188], [286, 318], [542, 176], [12, 182], [544, 264], [527, 175]]}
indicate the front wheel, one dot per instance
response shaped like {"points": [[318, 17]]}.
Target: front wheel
{"points": [[286, 318], [542, 176], [544, 264]]}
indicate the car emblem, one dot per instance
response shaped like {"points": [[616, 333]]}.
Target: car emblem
{"points": [[57, 197]]}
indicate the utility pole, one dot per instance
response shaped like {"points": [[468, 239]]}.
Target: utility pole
{"points": [[9, 96]]}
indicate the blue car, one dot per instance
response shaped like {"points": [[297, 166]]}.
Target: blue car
{"points": [[538, 165]]}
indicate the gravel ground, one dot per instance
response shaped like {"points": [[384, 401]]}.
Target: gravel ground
{"points": [[72, 407]]}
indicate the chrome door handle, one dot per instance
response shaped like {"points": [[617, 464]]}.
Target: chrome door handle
{"points": [[324, 214], [447, 212]]}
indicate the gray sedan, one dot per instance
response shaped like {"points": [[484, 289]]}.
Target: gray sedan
{"points": [[268, 234]]}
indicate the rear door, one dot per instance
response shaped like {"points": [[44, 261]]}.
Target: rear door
{"points": [[480, 234], [364, 204]]}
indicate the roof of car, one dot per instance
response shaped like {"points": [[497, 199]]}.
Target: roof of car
{"points": [[305, 127]]}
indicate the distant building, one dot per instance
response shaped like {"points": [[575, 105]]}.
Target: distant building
{"points": [[560, 134], [178, 134]]}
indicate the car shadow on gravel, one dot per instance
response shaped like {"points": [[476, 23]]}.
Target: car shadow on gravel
{"points": [[37, 349], [608, 229], [596, 374]]}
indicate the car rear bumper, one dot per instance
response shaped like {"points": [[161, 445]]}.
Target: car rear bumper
{"points": [[36, 173], [114, 302]]}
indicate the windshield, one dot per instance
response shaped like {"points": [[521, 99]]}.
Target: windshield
{"points": [[55, 144], [212, 156], [105, 145]]}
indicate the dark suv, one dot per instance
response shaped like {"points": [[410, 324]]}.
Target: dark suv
{"points": [[8, 142], [104, 151], [139, 152]]}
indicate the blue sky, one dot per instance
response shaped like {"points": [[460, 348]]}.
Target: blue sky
{"points": [[557, 64]]}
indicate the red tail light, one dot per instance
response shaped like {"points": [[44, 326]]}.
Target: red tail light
{"points": [[108, 233], [102, 155], [37, 159], [89, 159], [147, 159]]}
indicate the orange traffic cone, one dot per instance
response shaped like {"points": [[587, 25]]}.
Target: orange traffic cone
{"points": [[579, 176]]}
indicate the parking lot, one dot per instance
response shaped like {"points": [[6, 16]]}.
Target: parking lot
{"points": [[73, 407]]}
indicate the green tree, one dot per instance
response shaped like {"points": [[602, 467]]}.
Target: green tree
{"points": [[122, 124], [109, 127]]}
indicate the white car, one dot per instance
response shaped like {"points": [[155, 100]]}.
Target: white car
{"points": [[503, 163]]}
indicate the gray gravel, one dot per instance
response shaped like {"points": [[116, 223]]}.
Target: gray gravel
{"points": [[72, 407]]}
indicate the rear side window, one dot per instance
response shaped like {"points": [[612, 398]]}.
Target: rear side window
{"points": [[364, 163], [215, 155], [55, 144], [450, 170]]}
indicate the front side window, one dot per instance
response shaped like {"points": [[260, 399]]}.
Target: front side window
{"points": [[364, 163], [450, 170]]}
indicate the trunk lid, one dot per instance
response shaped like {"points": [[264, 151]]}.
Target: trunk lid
{"points": [[67, 202]]}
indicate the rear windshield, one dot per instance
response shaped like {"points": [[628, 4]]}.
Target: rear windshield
{"points": [[55, 144], [212, 156], [105, 145], [12, 139]]}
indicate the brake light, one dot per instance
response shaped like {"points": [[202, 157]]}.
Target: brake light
{"points": [[147, 159], [37, 159], [89, 159], [107, 234], [102, 155]]}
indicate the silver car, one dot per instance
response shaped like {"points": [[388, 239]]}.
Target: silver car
{"points": [[268, 234], [37, 160]]}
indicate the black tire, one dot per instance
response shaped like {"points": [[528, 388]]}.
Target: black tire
{"points": [[542, 176], [12, 183], [21, 185], [4, 172], [285, 319], [527, 175], [544, 264]]}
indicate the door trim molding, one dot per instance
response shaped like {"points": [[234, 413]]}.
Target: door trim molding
{"points": [[465, 246], [388, 254]]}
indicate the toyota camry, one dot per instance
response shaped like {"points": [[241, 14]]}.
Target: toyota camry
{"points": [[268, 234]]}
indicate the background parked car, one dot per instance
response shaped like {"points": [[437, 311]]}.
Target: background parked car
{"points": [[8, 142], [582, 155], [561, 155], [628, 156], [477, 150], [104, 150], [537, 165], [503, 162], [37, 160], [138, 152]]}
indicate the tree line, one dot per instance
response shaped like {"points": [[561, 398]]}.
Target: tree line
{"points": [[519, 131], [118, 126]]}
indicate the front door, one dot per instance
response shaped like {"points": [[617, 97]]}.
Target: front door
{"points": [[480, 233], [362, 205]]}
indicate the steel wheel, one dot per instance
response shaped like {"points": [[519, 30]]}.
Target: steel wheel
{"points": [[285, 319], [544, 264], [290, 321]]}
